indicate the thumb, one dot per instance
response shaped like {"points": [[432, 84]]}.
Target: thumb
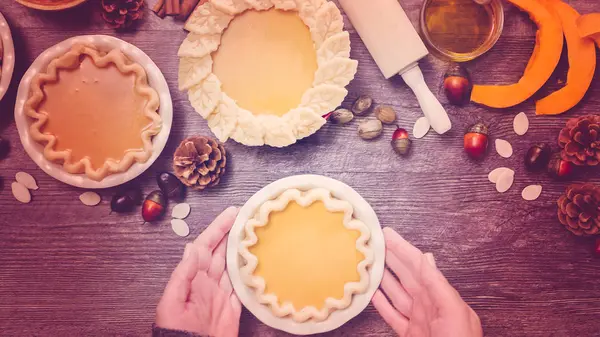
{"points": [[179, 286]]}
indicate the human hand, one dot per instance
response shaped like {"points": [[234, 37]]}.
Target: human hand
{"points": [[423, 304], [199, 297]]}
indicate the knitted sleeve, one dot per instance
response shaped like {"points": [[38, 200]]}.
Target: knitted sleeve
{"points": [[162, 332]]}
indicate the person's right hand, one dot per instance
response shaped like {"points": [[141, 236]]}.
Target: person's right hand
{"points": [[423, 304]]}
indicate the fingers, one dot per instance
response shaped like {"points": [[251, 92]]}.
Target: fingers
{"points": [[217, 230], [178, 287], [441, 293], [408, 254], [225, 284], [409, 279], [392, 317], [217, 263], [396, 293]]}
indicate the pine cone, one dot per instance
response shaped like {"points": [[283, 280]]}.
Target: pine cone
{"points": [[580, 140], [199, 162], [122, 13], [579, 209]]}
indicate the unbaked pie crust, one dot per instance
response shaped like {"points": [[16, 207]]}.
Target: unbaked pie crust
{"points": [[225, 117], [144, 98], [339, 248]]}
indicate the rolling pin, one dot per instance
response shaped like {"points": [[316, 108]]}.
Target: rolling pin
{"points": [[396, 48]]}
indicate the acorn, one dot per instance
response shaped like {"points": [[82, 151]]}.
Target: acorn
{"points": [[559, 168], [401, 142], [122, 202], [476, 141], [537, 157], [154, 206], [457, 85], [170, 185]]}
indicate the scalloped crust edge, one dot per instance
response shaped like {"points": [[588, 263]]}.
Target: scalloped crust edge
{"points": [[258, 283], [84, 165]]}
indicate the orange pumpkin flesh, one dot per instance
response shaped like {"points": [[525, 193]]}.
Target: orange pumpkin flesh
{"points": [[589, 26], [546, 56], [582, 64]]}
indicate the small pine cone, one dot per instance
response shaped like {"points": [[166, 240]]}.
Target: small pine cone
{"points": [[122, 13], [580, 140], [199, 162], [579, 209]]}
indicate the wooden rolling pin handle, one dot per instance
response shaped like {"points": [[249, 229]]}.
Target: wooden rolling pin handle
{"points": [[432, 108]]}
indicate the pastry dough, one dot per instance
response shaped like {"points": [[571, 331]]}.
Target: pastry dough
{"points": [[334, 245], [334, 71]]}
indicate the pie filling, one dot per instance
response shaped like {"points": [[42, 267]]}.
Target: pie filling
{"points": [[306, 255], [94, 112], [266, 61]]}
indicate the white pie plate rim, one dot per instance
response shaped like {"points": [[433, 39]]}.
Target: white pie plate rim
{"points": [[8, 63], [362, 211], [156, 80]]}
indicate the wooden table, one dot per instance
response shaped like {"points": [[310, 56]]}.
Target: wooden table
{"points": [[71, 270]]}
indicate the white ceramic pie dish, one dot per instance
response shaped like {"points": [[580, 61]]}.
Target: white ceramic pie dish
{"points": [[362, 211], [8, 59], [156, 81]]}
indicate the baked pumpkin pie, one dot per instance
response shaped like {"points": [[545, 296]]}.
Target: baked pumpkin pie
{"points": [[305, 255], [265, 71], [94, 112]]}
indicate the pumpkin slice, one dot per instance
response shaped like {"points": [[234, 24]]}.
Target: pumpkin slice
{"points": [[589, 26], [546, 56], [582, 64]]}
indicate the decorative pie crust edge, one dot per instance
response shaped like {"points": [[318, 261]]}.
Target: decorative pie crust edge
{"points": [[84, 165], [258, 283], [225, 118]]}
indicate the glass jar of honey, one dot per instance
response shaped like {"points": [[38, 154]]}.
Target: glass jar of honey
{"points": [[461, 30]]}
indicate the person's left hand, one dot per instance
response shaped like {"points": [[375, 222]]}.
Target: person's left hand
{"points": [[199, 297]]}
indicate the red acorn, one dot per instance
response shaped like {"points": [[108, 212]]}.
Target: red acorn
{"points": [[457, 85], [559, 168], [476, 141], [154, 206], [400, 141]]}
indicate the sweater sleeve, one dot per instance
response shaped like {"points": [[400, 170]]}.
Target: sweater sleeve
{"points": [[162, 332]]}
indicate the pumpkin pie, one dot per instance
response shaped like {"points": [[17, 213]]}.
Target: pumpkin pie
{"points": [[94, 112], [265, 71], [305, 255]]}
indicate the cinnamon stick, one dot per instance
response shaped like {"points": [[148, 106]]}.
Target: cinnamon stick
{"points": [[172, 7], [158, 6], [187, 7]]}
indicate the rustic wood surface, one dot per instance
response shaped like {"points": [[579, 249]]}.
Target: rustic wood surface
{"points": [[71, 270]]}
